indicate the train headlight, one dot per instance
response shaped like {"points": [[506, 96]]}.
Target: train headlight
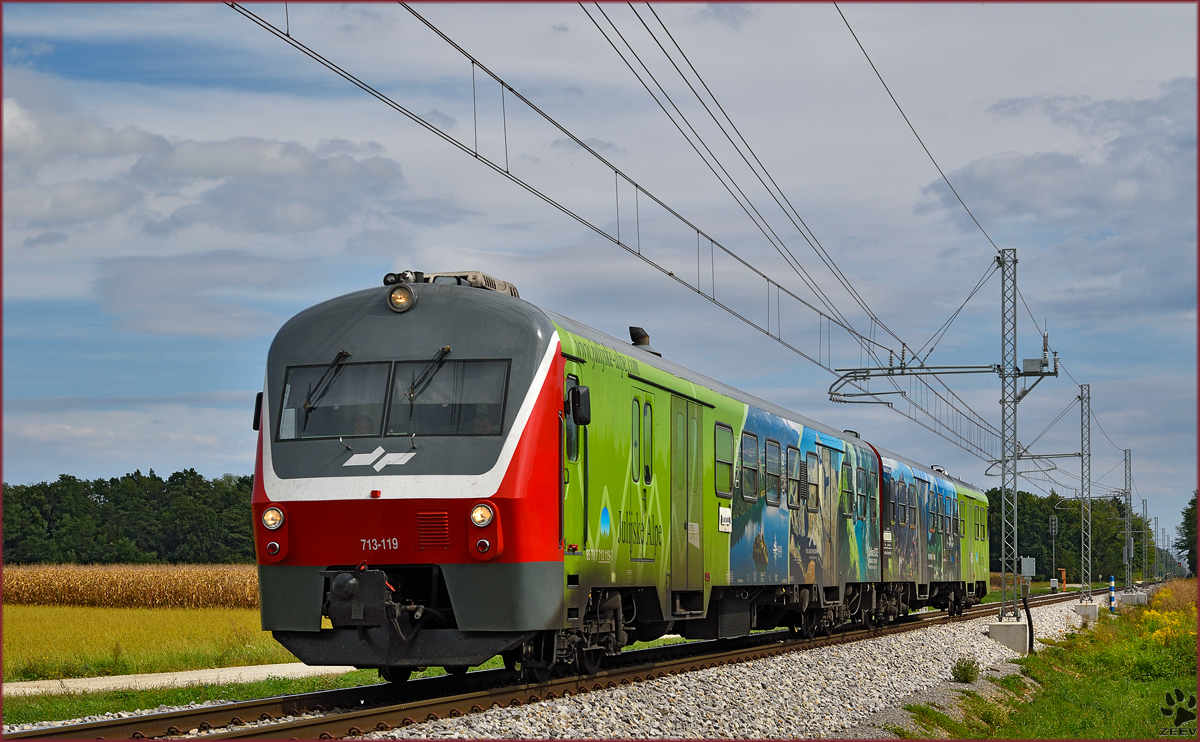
{"points": [[401, 298], [272, 518], [481, 515]]}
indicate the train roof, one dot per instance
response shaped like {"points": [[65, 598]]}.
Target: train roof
{"points": [[662, 364], [966, 487]]}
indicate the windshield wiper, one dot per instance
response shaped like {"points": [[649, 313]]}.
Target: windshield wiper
{"points": [[317, 393], [421, 382]]}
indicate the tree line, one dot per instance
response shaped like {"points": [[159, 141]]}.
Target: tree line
{"points": [[137, 518], [1063, 550], [142, 518]]}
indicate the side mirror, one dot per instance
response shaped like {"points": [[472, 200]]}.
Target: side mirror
{"points": [[581, 405], [257, 410]]}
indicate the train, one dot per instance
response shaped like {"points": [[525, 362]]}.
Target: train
{"points": [[446, 473]]}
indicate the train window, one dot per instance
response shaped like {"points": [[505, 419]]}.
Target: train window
{"points": [[847, 498], [797, 485], [328, 401], [962, 526], [860, 487], [901, 501], [978, 522], [946, 515], [774, 471], [872, 493], [812, 470], [648, 442], [723, 467], [635, 449], [455, 398], [933, 508], [749, 467], [912, 506], [331, 401], [570, 429]]}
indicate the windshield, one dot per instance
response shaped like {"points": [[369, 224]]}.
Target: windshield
{"points": [[462, 398], [352, 403]]}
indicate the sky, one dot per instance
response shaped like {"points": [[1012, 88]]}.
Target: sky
{"points": [[178, 182]]}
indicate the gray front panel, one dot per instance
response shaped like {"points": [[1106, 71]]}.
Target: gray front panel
{"points": [[290, 597], [506, 597], [478, 325]]}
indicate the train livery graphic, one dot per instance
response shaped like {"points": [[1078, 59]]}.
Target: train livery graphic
{"points": [[447, 473]]}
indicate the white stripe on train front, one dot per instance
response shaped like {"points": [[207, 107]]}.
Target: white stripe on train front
{"points": [[410, 487]]}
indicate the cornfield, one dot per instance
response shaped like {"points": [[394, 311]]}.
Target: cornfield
{"points": [[133, 586]]}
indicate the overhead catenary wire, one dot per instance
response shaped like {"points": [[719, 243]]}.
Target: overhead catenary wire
{"points": [[971, 416], [914, 130], [801, 227], [945, 427], [730, 186]]}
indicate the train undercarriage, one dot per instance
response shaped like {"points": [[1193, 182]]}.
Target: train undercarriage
{"points": [[401, 619]]}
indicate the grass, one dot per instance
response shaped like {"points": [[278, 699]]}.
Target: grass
{"points": [[1041, 588], [59, 706], [1106, 682], [51, 642]]}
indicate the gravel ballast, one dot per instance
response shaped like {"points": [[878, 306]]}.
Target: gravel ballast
{"points": [[817, 693], [825, 692]]}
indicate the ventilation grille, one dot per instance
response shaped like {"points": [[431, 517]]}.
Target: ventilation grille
{"points": [[433, 530]]}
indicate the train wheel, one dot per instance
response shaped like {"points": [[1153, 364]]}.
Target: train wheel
{"points": [[587, 661], [456, 670], [395, 674], [829, 628]]}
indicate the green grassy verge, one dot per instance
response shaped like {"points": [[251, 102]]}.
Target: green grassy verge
{"points": [[1043, 588], [1110, 681], [58, 706]]}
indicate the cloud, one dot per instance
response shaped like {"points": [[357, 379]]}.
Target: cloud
{"points": [[266, 186], [439, 119], [1132, 189], [210, 294], [1143, 168], [68, 203], [730, 15], [45, 238], [600, 145], [42, 135], [387, 242]]}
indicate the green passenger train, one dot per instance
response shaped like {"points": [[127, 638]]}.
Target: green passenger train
{"points": [[446, 473]]}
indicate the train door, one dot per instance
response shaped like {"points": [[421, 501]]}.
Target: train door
{"points": [[887, 521], [687, 508], [830, 522], [575, 477], [641, 520]]}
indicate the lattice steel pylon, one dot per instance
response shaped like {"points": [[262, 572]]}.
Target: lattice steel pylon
{"points": [[1128, 550], [1145, 543], [1157, 546], [1085, 493], [1008, 429]]}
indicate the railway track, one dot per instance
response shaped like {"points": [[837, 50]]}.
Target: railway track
{"points": [[355, 711]]}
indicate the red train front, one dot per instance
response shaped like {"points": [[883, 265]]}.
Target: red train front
{"points": [[405, 490]]}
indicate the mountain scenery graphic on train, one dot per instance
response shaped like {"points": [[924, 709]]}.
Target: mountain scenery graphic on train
{"points": [[787, 526]]}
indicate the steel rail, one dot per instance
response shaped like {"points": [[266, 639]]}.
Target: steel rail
{"points": [[356, 711]]}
